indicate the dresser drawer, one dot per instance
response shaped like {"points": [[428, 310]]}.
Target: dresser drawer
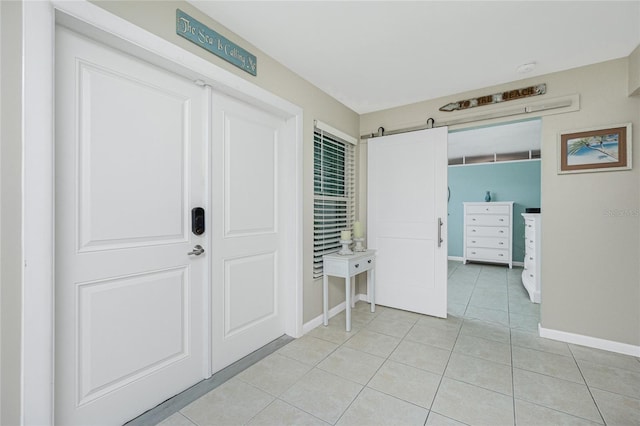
{"points": [[530, 259], [488, 220], [360, 265], [529, 274], [487, 254], [530, 244], [485, 231], [529, 228], [489, 209], [488, 242], [343, 266]]}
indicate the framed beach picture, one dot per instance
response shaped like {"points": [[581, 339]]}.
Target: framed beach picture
{"points": [[595, 150]]}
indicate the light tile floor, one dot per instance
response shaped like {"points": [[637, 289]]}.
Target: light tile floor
{"points": [[484, 365]]}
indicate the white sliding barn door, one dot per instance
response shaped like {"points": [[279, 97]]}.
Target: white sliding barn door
{"points": [[407, 196], [248, 188], [130, 301]]}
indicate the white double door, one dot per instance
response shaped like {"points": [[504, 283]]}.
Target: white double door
{"points": [[140, 315]]}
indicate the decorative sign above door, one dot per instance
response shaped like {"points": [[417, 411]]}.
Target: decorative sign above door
{"points": [[509, 95], [208, 39]]}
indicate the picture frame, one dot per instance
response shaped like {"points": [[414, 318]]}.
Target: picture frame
{"points": [[595, 150]]}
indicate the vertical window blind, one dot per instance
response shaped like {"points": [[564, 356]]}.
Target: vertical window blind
{"points": [[333, 193]]}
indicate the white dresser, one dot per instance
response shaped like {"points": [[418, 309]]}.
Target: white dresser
{"points": [[488, 232], [531, 272]]}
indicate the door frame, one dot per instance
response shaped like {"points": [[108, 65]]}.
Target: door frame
{"points": [[39, 20]]}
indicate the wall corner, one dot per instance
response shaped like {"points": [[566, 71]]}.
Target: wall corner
{"points": [[634, 72]]}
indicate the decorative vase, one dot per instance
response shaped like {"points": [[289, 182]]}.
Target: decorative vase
{"points": [[487, 197]]}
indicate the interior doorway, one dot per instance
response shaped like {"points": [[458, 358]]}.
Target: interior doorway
{"points": [[505, 161]]}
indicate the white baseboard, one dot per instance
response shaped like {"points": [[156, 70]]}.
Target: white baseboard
{"points": [[310, 325], [460, 259], [592, 342]]}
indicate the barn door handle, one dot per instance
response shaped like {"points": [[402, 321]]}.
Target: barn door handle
{"points": [[197, 251], [440, 240]]}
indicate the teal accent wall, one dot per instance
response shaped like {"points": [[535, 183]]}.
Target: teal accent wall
{"points": [[517, 181]]}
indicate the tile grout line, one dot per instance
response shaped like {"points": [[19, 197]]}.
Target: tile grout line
{"points": [[587, 386], [314, 366], [365, 386], [435, 394]]}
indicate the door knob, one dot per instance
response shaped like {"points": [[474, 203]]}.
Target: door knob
{"points": [[197, 250]]}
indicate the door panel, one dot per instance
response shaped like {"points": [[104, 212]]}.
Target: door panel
{"points": [[159, 338], [110, 172], [246, 288], [130, 301], [250, 178], [246, 302], [407, 194]]}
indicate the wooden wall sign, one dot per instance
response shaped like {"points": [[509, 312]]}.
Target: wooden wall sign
{"points": [[205, 37], [496, 98]]}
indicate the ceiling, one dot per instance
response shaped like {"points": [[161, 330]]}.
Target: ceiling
{"points": [[505, 138], [382, 54]]}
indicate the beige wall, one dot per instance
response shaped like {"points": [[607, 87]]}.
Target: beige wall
{"points": [[590, 251], [159, 18], [10, 211]]}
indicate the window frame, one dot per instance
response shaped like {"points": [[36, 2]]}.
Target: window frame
{"points": [[334, 194]]}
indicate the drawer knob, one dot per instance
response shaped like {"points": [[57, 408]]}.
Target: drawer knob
{"points": [[473, 252], [369, 261], [501, 220], [473, 242], [501, 231], [500, 243], [473, 230], [530, 241], [357, 265], [500, 254], [530, 257], [531, 275], [474, 219]]}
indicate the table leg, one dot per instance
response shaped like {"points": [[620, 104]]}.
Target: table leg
{"points": [[347, 283], [353, 291], [325, 300], [371, 290]]}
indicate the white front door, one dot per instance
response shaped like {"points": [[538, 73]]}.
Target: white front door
{"points": [[407, 215], [248, 257], [131, 163]]}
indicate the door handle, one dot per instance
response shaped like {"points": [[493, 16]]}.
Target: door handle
{"points": [[197, 250], [440, 240]]}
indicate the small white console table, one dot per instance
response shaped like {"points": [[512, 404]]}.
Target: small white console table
{"points": [[347, 267]]}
